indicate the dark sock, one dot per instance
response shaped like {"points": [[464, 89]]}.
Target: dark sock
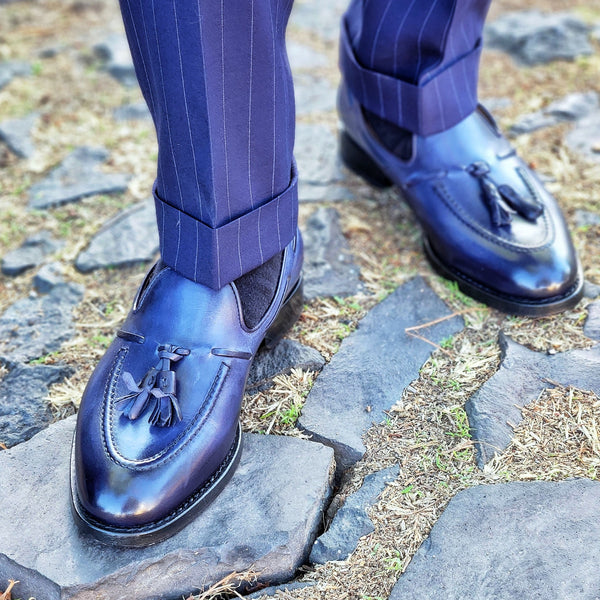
{"points": [[257, 289], [394, 138]]}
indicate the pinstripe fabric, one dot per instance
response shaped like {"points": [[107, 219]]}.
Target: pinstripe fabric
{"points": [[216, 78], [414, 62]]}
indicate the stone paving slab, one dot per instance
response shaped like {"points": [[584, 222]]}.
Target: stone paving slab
{"points": [[77, 177], [37, 325], [584, 138], [280, 360], [372, 367], [318, 17], [535, 540], [30, 253], [265, 520], [351, 522], [532, 37], [591, 327], [11, 69], [16, 134], [495, 408], [568, 108], [129, 237], [329, 267], [24, 406]]}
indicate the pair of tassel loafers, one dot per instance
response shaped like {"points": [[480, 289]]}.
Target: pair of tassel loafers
{"points": [[158, 432]]}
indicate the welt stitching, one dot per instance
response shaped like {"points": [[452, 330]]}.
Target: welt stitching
{"points": [[445, 196], [108, 399], [200, 418], [182, 507], [509, 296]]}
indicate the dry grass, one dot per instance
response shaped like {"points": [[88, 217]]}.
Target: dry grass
{"points": [[425, 433]]}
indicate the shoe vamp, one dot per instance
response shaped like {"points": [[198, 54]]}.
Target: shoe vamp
{"points": [[202, 384], [453, 208], [472, 140]]}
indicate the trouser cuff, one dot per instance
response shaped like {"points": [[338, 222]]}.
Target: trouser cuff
{"points": [[433, 105], [216, 256]]}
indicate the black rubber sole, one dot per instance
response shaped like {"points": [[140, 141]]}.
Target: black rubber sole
{"points": [[508, 304], [155, 532], [358, 161]]}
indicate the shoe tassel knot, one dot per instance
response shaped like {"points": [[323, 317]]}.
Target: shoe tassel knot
{"points": [[157, 387], [496, 196]]}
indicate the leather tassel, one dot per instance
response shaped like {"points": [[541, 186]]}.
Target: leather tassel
{"points": [[500, 216], [158, 385], [528, 208]]}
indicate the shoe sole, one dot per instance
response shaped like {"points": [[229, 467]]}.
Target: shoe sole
{"points": [[508, 304], [360, 163]]}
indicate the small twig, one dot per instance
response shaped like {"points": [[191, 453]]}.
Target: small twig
{"points": [[7, 594], [456, 313], [424, 339], [414, 328]]}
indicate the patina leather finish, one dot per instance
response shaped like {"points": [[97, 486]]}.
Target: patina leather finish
{"points": [[488, 222], [157, 433]]}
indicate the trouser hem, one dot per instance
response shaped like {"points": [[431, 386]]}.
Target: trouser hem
{"points": [[215, 256], [433, 105]]}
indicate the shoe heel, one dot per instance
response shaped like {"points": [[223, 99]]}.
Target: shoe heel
{"points": [[288, 315], [358, 161]]}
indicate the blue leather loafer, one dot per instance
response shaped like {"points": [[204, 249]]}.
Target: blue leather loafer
{"points": [[488, 223], [158, 432]]}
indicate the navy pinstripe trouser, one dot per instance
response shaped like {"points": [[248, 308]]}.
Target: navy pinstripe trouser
{"points": [[217, 81]]}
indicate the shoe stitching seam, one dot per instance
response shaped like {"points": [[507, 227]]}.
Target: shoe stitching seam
{"points": [[443, 193], [501, 295], [155, 279], [163, 456], [181, 508]]}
